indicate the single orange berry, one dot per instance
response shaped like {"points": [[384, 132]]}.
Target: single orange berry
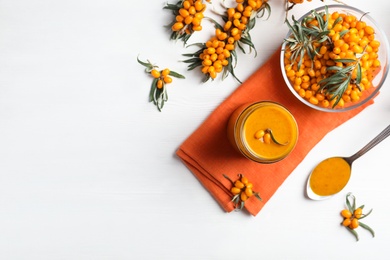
{"points": [[155, 73], [248, 192], [243, 196], [167, 79], [358, 213], [347, 222], [239, 184], [346, 213], [235, 190], [165, 72], [354, 223], [244, 180], [160, 84]]}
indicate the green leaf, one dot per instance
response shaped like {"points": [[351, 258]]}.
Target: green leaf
{"points": [[339, 19], [351, 207], [366, 214], [345, 60], [176, 75], [343, 32], [153, 90], [146, 64], [359, 74], [367, 228], [353, 233], [257, 195], [273, 137]]}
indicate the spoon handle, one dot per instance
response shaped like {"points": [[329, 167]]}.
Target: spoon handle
{"points": [[379, 138]]}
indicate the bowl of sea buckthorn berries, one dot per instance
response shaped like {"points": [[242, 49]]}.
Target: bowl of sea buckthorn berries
{"points": [[334, 58]]}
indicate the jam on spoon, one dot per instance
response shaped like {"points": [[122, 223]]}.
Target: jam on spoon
{"points": [[331, 175]]}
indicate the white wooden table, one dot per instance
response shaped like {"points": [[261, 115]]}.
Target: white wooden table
{"points": [[88, 167]]}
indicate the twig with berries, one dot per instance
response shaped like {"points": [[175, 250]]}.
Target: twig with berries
{"points": [[158, 92], [352, 216], [242, 190]]}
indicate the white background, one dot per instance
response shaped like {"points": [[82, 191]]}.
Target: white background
{"points": [[88, 167]]}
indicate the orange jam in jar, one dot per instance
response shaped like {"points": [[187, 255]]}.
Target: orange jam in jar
{"points": [[265, 132]]}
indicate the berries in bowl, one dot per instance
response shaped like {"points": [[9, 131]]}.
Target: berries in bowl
{"points": [[334, 58]]}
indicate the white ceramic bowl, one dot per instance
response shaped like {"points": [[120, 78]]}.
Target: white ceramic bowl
{"points": [[383, 57]]}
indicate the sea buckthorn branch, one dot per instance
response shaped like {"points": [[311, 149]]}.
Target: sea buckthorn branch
{"points": [[352, 216], [242, 190], [218, 54], [188, 18], [330, 59], [158, 92]]}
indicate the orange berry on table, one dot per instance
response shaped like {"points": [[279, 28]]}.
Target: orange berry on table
{"points": [[243, 196], [244, 180], [346, 222], [239, 184], [248, 192], [165, 72], [346, 213], [235, 190], [167, 79], [358, 213], [354, 223], [160, 84], [177, 26], [155, 73]]}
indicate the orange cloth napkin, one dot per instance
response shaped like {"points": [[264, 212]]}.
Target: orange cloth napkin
{"points": [[209, 154]]}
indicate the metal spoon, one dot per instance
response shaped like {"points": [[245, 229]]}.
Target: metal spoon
{"points": [[380, 137]]}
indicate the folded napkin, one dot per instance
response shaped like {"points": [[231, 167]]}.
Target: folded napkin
{"points": [[209, 155]]}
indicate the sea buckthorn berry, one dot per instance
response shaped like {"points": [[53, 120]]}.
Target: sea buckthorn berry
{"points": [[259, 134], [346, 222], [243, 196], [369, 30], [155, 73], [177, 26], [239, 184], [186, 4], [160, 84], [165, 72], [179, 18], [358, 213], [248, 192], [346, 213], [235, 190], [244, 180], [183, 12], [167, 79], [267, 138], [354, 223], [313, 100]]}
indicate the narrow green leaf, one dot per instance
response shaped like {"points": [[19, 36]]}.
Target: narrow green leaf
{"points": [[367, 228], [176, 75], [153, 90], [354, 233], [351, 207], [366, 214], [359, 74], [148, 65], [345, 60]]}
